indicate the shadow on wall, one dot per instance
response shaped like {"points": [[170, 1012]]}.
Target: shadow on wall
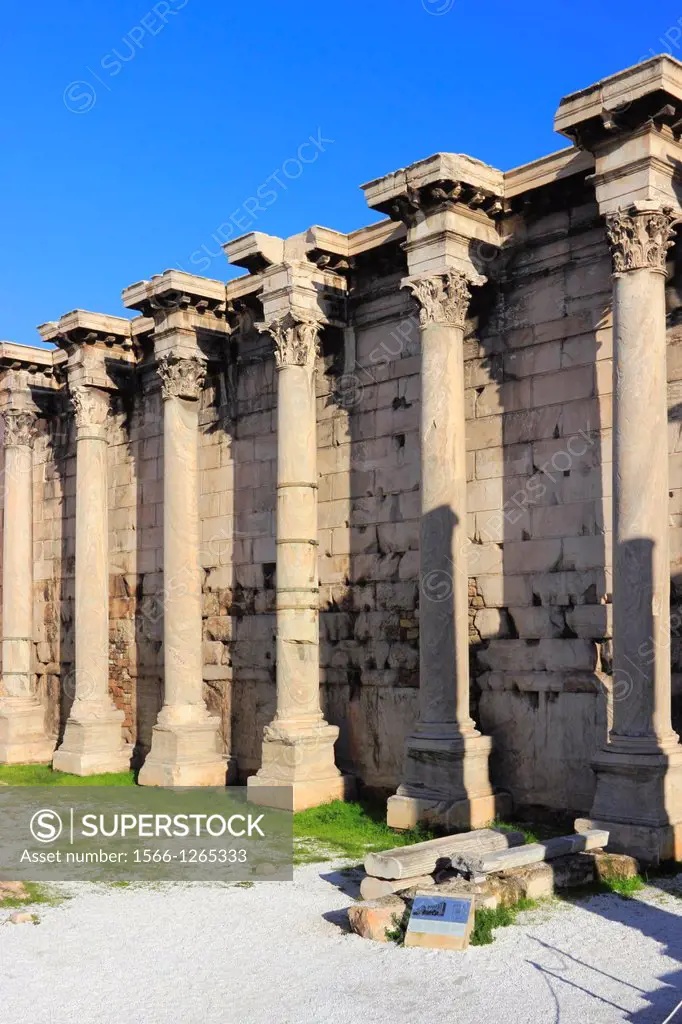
{"points": [[369, 469], [63, 585], [675, 432], [239, 627], [146, 586], [538, 414]]}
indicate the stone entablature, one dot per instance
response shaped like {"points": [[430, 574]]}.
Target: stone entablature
{"points": [[372, 452]]}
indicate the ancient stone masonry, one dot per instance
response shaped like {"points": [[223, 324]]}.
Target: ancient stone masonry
{"points": [[397, 509]]}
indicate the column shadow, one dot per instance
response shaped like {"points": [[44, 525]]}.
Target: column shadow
{"points": [[539, 510], [241, 576], [369, 508], [145, 589]]}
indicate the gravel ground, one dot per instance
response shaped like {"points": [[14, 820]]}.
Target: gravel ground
{"points": [[278, 953]]}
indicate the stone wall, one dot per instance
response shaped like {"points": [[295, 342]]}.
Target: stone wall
{"points": [[538, 375]]}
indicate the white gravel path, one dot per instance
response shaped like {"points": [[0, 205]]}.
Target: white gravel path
{"points": [[277, 953]]}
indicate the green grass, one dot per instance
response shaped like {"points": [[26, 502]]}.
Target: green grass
{"points": [[42, 775], [348, 829], [34, 894], [513, 826], [488, 920], [626, 887], [485, 922]]}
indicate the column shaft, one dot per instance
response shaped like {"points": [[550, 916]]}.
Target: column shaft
{"points": [[23, 738], [17, 561], [92, 571], [445, 778], [183, 662], [186, 748], [641, 562], [298, 768], [297, 642], [93, 740], [444, 601], [638, 794]]}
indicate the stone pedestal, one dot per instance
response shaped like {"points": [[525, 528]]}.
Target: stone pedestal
{"points": [[186, 747], [638, 795], [446, 775], [93, 740], [298, 746], [23, 739]]}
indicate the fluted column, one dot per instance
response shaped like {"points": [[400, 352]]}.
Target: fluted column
{"points": [[639, 774], [446, 765], [298, 749], [186, 748], [23, 738], [93, 740]]}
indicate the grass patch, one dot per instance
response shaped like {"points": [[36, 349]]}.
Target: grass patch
{"points": [[348, 829], [34, 894], [43, 775], [485, 922], [488, 920], [397, 932], [625, 887], [530, 836]]}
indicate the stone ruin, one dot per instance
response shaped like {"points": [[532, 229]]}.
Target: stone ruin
{"points": [[346, 520]]}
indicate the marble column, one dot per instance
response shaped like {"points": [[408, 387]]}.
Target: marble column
{"points": [[446, 764], [639, 773], [298, 766], [93, 740], [186, 746], [23, 739]]}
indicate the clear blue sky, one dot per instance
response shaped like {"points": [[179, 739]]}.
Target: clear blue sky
{"points": [[134, 130]]}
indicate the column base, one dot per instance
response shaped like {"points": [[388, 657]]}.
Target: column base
{"points": [[649, 845], [299, 795], [185, 754], [93, 743], [405, 812], [22, 732], [638, 799], [298, 769], [446, 781]]}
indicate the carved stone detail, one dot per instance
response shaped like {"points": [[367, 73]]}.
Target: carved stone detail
{"points": [[20, 427], [443, 299], [296, 339], [640, 238], [181, 378], [90, 405]]}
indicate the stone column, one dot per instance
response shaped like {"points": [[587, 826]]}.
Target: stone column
{"points": [[93, 740], [639, 774], [446, 766], [186, 746], [23, 738], [298, 748]]}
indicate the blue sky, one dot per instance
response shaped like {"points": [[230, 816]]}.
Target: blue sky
{"points": [[137, 132]]}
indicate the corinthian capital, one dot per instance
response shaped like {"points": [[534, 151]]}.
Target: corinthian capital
{"points": [[20, 427], [296, 339], [640, 236], [443, 298], [90, 405], [181, 378]]}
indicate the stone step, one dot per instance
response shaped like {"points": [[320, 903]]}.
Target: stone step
{"points": [[422, 858], [476, 865]]}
